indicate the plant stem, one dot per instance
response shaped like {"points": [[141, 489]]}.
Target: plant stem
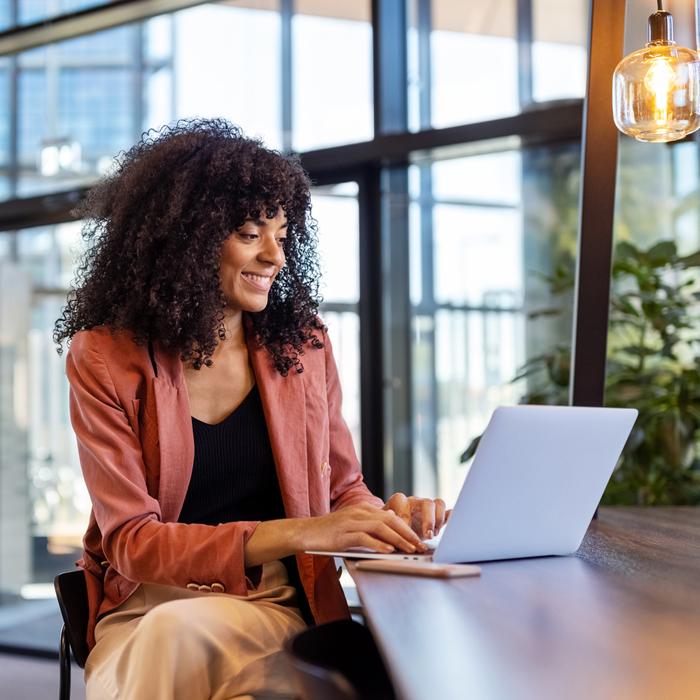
{"points": [[642, 354]]}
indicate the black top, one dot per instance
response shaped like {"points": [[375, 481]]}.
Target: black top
{"points": [[233, 476]]}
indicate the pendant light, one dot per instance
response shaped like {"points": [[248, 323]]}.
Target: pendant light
{"points": [[656, 89]]}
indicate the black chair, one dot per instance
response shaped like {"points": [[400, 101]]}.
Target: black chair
{"points": [[71, 593], [338, 661]]}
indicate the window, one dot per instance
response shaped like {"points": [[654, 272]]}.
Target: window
{"points": [[559, 49], [31, 11], [332, 97], [473, 74], [482, 238], [335, 207]]}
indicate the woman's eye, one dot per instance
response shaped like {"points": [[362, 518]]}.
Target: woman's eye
{"points": [[248, 236], [281, 241]]}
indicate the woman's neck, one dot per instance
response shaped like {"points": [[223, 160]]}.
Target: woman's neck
{"points": [[235, 334]]}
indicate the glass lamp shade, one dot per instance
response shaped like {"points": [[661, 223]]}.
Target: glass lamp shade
{"points": [[656, 92]]}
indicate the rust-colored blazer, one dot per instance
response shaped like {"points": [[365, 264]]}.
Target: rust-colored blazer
{"points": [[131, 416]]}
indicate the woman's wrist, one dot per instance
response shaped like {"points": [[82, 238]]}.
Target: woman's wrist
{"points": [[275, 539]]}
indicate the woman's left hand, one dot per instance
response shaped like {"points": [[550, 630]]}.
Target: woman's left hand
{"points": [[425, 516]]}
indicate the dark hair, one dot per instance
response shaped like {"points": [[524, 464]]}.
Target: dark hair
{"points": [[154, 231]]}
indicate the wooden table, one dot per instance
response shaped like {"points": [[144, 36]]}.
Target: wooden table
{"points": [[621, 619]]}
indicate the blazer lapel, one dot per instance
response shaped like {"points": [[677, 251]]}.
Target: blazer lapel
{"points": [[284, 405], [176, 442]]}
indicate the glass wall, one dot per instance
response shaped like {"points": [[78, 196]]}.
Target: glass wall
{"points": [[30, 11], [559, 49], [463, 59], [5, 112], [485, 239], [336, 210], [654, 333], [332, 97], [82, 101]]}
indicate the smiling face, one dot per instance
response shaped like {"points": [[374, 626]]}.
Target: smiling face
{"points": [[251, 258]]}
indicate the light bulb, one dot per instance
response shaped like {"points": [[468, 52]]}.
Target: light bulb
{"points": [[656, 90]]}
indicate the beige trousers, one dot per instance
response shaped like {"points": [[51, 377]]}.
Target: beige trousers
{"points": [[167, 643]]}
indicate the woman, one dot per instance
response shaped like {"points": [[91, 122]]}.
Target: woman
{"points": [[206, 405]]}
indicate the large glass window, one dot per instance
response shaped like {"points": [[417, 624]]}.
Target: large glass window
{"points": [[332, 97], [77, 108], [82, 101], [227, 64], [336, 209], [654, 332], [473, 72], [30, 11], [559, 49], [5, 107], [484, 239], [45, 505]]}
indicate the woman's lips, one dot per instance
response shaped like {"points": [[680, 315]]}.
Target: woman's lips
{"points": [[260, 282]]}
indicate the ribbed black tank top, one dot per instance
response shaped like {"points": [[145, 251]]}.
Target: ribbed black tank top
{"points": [[233, 476]]}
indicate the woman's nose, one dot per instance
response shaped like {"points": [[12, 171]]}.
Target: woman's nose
{"points": [[272, 251]]}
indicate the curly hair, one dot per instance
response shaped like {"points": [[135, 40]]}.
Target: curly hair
{"points": [[154, 232]]}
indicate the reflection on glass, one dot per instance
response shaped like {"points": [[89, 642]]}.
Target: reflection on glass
{"points": [[483, 244], [332, 73]]}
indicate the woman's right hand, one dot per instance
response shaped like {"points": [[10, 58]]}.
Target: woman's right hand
{"points": [[353, 526], [357, 526]]}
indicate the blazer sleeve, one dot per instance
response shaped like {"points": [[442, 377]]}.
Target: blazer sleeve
{"points": [[135, 541], [347, 485]]}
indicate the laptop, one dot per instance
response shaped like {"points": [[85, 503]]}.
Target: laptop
{"points": [[534, 483]]}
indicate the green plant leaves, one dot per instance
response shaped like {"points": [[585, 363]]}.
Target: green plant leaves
{"points": [[653, 365]]}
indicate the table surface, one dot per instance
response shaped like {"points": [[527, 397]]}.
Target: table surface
{"points": [[621, 619]]}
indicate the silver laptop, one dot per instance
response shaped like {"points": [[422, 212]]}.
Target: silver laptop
{"points": [[536, 479]]}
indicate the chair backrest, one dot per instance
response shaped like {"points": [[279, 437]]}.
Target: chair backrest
{"points": [[71, 592], [338, 661]]}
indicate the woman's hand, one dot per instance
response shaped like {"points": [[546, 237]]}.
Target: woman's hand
{"points": [[358, 526], [362, 525], [425, 515]]}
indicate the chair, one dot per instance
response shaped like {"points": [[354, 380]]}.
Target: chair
{"points": [[338, 661], [71, 593]]}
